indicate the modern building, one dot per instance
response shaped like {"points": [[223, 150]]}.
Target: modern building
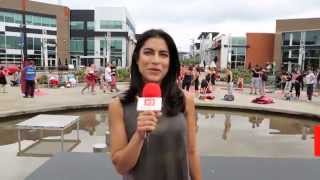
{"points": [[259, 49], [101, 36], [205, 51], [297, 43], [229, 49], [34, 31]]}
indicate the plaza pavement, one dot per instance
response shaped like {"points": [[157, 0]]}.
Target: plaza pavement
{"points": [[13, 104]]}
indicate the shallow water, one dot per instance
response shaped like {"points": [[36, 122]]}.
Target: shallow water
{"points": [[224, 133]]}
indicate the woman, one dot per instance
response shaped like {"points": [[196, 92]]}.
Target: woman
{"points": [[196, 75], [170, 150], [90, 79], [187, 79], [3, 80]]}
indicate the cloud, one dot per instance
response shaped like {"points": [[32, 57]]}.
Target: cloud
{"points": [[186, 19]]}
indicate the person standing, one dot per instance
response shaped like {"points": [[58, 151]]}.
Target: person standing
{"points": [[255, 80], [107, 77], [90, 79], [264, 79], [310, 81], [29, 77], [169, 152], [186, 83], [229, 77], [3, 79], [196, 76], [114, 76]]}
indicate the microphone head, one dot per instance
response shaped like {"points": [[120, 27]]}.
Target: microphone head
{"points": [[151, 90]]}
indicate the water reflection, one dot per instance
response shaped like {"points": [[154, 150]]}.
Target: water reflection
{"points": [[219, 132], [92, 122], [227, 126]]}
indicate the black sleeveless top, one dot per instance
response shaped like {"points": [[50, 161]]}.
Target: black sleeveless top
{"points": [[164, 152]]}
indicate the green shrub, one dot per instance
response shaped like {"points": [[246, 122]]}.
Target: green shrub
{"points": [[245, 73], [43, 79], [123, 74], [80, 74]]}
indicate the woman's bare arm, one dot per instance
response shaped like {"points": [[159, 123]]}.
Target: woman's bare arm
{"points": [[124, 154], [194, 159]]}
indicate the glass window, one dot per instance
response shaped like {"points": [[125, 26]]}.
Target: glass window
{"points": [[37, 44], [1, 17], [52, 22], [76, 44], [294, 53], [12, 42], [90, 25], [17, 18], [106, 24], [296, 36], [285, 39], [9, 18], [90, 45], [28, 19], [37, 20], [312, 53], [45, 21], [313, 38], [2, 41], [238, 40], [30, 43], [103, 44], [76, 24], [116, 44]]}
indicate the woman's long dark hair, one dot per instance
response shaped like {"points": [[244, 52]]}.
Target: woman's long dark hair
{"points": [[173, 97]]}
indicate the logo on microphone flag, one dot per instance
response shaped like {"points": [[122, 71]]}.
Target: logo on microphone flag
{"points": [[317, 140], [149, 104]]}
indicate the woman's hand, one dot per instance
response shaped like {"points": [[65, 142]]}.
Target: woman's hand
{"points": [[146, 122]]}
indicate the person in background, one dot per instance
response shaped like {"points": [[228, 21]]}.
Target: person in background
{"points": [[108, 78], [297, 83], [264, 79], [186, 83], [310, 81], [90, 78], [196, 75], [213, 77], [29, 76], [169, 151], [240, 82], [3, 79], [229, 79], [255, 79], [114, 76]]}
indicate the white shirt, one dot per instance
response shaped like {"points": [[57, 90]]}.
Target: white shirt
{"points": [[310, 78], [108, 74]]}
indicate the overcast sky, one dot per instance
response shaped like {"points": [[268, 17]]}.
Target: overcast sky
{"points": [[186, 19]]}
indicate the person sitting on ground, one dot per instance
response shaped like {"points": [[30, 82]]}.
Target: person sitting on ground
{"points": [[240, 82]]}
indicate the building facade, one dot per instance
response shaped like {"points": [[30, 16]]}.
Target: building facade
{"points": [[260, 49], [297, 44], [229, 50], [33, 31], [206, 53], [101, 36]]}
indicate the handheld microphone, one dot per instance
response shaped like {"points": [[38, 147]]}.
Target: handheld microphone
{"points": [[151, 99]]}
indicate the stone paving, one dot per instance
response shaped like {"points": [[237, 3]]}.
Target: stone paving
{"points": [[12, 103]]}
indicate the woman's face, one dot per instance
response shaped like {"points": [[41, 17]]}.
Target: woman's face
{"points": [[153, 62]]}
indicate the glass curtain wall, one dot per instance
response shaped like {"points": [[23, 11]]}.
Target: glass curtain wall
{"points": [[301, 50], [238, 52]]}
